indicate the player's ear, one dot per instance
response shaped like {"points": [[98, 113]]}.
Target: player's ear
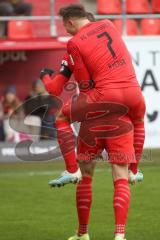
{"points": [[70, 21]]}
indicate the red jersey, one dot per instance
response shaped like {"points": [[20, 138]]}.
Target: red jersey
{"points": [[84, 80], [56, 84], [99, 47]]}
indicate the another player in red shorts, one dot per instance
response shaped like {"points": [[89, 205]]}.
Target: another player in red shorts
{"points": [[56, 86], [111, 113]]}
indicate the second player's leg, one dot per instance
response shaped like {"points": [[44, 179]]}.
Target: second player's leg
{"points": [[139, 136], [67, 144], [87, 156], [121, 199], [136, 114], [121, 154], [84, 199], [119, 171]]}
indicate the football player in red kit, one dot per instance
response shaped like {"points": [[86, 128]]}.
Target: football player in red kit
{"points": [[56, 86], [116, 93]]}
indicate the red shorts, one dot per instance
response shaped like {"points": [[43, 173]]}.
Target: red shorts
{"points": [[107, 122], [120, 150]]}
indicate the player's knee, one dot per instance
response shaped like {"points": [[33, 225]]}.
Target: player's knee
{"points": [[120, 171], [138, 120], [141, 120], [87, 168]]}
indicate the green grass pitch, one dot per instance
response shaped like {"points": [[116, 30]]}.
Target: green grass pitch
{"points": [[30, 210]]}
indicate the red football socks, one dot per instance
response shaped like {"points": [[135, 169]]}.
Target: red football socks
{"points": [[84, 201], [139, 136], [67, 143], [121, 204]]}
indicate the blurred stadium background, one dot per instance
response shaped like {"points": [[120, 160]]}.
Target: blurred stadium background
{"points": [[32, 37]]}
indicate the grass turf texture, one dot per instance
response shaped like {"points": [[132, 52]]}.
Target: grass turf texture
{"points": [[30, 210]]}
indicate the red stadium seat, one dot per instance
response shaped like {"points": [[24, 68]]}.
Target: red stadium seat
{"points": [[132, 26], [150, 27], [137, 6], [20, 30], [42, 8], [108, 6], [156, 6]]}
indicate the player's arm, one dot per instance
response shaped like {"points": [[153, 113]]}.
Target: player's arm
{"points": [[80, 70], [54, 85]]}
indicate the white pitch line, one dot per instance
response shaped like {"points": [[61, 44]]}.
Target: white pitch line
{"points": [[41, 173]]}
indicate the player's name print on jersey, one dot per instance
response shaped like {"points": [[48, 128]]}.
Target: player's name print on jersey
{"points": [[116, 64]]}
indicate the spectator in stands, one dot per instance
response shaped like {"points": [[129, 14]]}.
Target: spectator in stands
{"points": [[10, 103], [42, 99], [13, 8], [1, 124]]}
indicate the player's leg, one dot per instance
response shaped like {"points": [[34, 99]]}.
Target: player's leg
{"points": [[67, 143], [133, 99], [139, 136], [136, 113], [71, 112], [84, 200], [121, 199], [87, 156], [121, 153]]}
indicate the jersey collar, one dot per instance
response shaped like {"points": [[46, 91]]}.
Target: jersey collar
{"points": [[85, 26]]}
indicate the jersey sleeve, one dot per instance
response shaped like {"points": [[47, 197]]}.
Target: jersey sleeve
{"points": [[55, 85], [80, 70], [66, 67]]}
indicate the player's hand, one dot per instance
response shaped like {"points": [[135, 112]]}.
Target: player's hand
{"points": [[46, 71]]}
